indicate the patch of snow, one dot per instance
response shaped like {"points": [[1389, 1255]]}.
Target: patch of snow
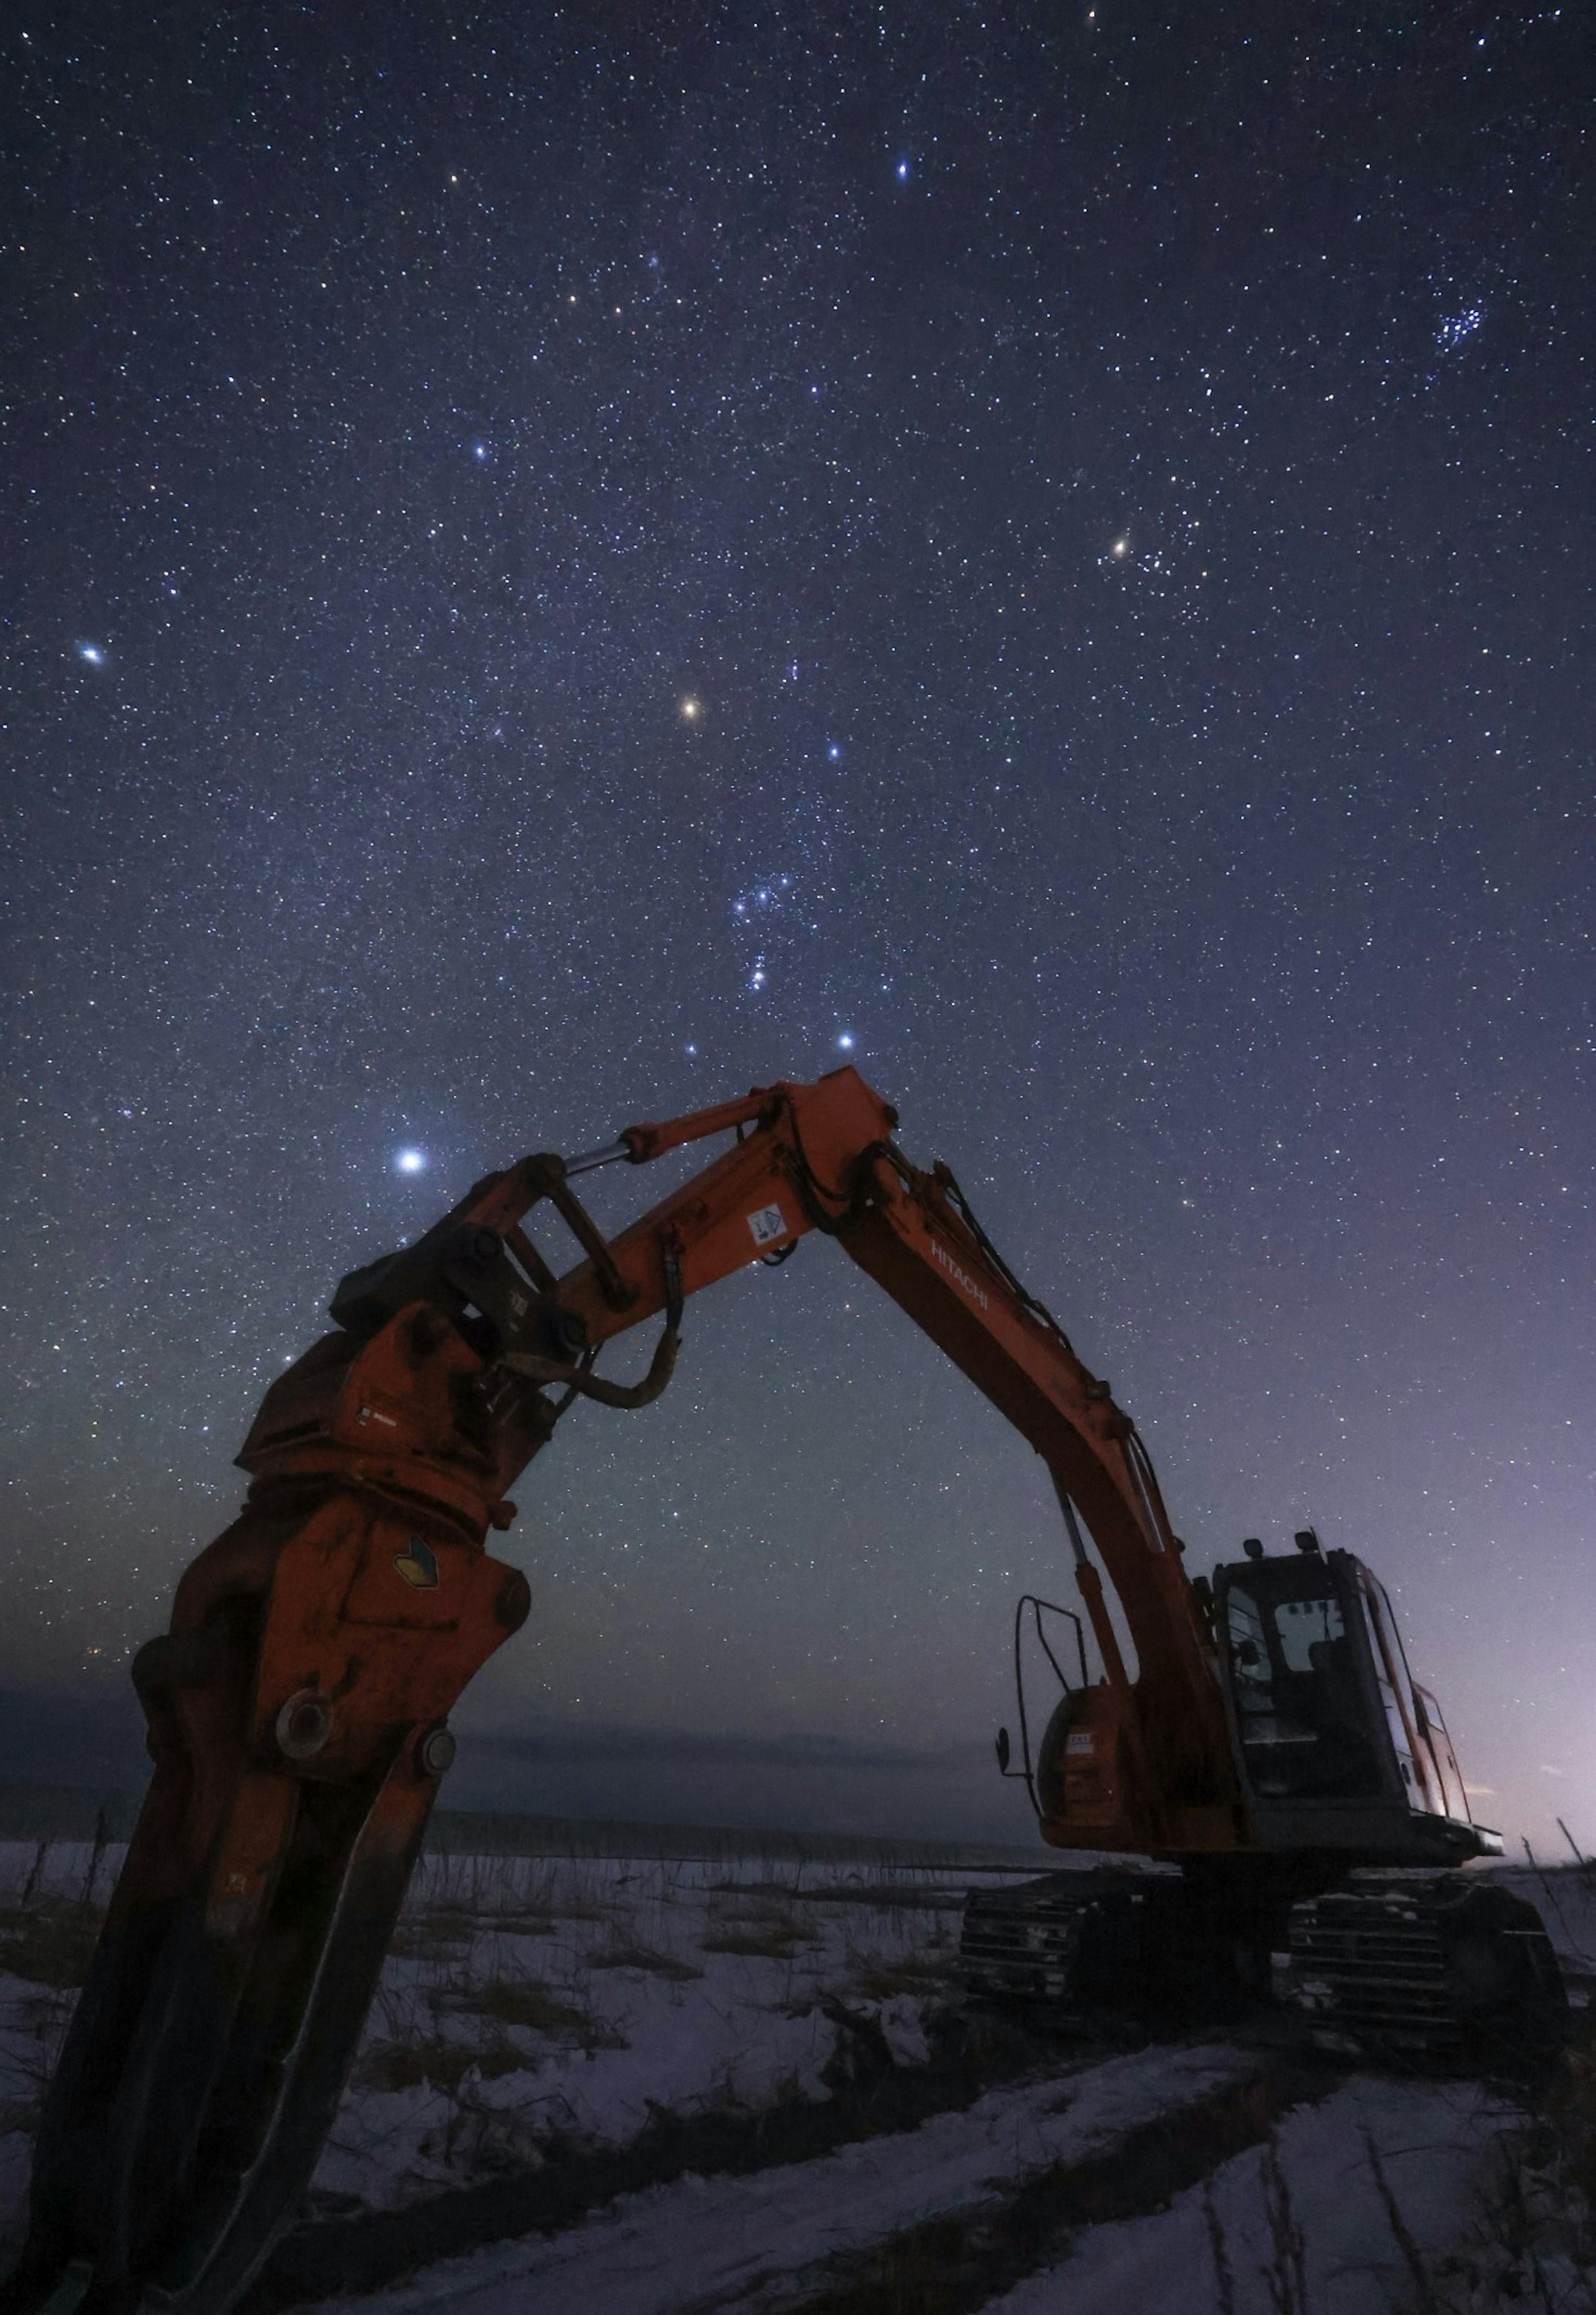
{"points": [[1300, 2223]]}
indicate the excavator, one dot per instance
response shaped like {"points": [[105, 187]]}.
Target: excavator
{"points": [[1262, 1739]]}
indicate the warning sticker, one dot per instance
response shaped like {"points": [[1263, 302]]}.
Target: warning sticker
{"points": [[767, 1224], [1080, 1741]]}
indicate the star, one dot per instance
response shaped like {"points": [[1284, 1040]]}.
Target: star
{"points": [[392, 823]]}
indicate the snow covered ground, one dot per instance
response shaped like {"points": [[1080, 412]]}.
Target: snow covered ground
{"points": [[536, 2007], [1367, 2203], [534, 1999]]}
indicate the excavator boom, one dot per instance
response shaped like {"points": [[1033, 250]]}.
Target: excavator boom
{"points": [[821, 1158]]}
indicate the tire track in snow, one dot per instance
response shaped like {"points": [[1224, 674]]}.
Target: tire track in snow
{"points": [[873, 2095], [1301, 2221], [765, 2242], [954, 2264]]}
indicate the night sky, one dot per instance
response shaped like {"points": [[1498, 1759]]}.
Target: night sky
{"points": [[560, 563]]}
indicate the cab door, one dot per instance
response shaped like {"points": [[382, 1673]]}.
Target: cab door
{"points": [[1404, 1717], [1432, 1729]]}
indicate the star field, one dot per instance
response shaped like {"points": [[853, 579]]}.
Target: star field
{"points": [[561, 563]]}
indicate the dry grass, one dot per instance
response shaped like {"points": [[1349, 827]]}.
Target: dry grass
{"points": [[528, 2001], [1531, 2243], [425, 1937], [444, 2064], [645, 1957], [889, 1897], [755, 1922], [411, 2048], [893, 1892], [770, 1943], [49, 1942], [880, 1981], [925, 2271]]}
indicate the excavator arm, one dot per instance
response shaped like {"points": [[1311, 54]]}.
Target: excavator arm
{"points": [[821, 1156], [298, 1706]]}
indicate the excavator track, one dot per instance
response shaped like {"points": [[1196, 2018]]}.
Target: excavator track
{"points": [[1082, 1944], [1023, 1943], [1440, 1970]]}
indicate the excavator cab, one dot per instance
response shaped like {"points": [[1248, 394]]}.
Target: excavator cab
{"points": [[1337, 1748]]}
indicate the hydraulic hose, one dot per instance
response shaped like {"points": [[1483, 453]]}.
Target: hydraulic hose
{"points": [[662, 1367]]}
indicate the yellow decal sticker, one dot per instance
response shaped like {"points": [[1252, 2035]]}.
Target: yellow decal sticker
{"points": [[417, 1564]]}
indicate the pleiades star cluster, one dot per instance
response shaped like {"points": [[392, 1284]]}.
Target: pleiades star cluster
{"points": [[561, 563]]}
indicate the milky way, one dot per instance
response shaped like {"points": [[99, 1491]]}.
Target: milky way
{"points": [[564, 564]]}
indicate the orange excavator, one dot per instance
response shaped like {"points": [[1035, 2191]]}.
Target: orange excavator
{"points": [[1267, 1741]]}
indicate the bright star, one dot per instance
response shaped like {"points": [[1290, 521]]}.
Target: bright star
{"points": [[691, 710], [1121, 546], [93, 654], [411, 1161], [902, 171], [845, 1044], [479, 450], [834, 753]]}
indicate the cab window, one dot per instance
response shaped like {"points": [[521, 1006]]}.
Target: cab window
{"points": [[1300, 1705]]}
